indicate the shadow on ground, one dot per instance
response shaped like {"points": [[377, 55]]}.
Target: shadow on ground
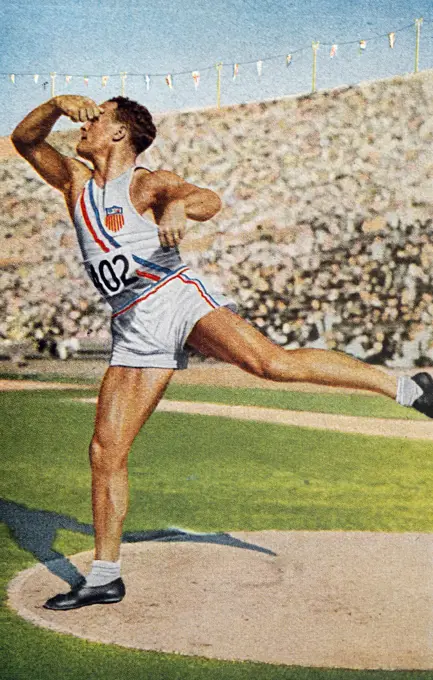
{"points": [[35, 531]]}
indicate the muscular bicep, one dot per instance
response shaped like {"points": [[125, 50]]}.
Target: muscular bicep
{"points": [[50, 164], [171, 187]]}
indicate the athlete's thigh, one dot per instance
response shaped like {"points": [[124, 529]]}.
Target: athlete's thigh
{"points": [[224, 335], [127, 398]]}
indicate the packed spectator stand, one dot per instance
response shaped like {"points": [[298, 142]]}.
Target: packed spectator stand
{"points": [[325, 238]]}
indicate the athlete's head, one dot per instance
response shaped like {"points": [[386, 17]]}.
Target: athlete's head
{"points": [[138, 121], [123, 121]]}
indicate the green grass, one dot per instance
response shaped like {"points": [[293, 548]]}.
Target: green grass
{"points": [[201, 473], [346, 404]]}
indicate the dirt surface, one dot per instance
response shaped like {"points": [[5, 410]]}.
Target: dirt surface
{"points": [[329, 599], [20, 385]]}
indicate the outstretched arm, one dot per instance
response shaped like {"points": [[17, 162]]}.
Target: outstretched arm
{"points": [[30, 135]]}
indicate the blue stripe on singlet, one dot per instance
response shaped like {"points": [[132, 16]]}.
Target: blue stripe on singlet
{"points": [[152, 265], [98, 218]]}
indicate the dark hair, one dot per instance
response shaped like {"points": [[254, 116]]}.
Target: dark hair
{"points": [[139, 121]]}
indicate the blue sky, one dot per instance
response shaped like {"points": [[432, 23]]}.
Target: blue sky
{"points": [[157, 37]]}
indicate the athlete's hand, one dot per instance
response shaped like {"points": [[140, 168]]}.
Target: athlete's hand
{"points": [[171, 226], [78, 108]]}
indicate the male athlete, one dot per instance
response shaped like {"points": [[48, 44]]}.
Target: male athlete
{"points": [[129, 222]]}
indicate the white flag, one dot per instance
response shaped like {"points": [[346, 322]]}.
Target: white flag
{"points": [[196, 77]]}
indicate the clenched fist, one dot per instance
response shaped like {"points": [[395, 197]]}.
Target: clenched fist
{"points": [[78, 108], [171, 227]]}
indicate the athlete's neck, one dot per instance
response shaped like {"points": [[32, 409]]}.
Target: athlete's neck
{"points": [[111, 166]]}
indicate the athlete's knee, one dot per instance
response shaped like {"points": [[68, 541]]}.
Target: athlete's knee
{"points": [[262, 364], [107, 457], [280, 364]]}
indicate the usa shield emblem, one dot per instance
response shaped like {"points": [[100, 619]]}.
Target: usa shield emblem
{"points": [[114, 219]]}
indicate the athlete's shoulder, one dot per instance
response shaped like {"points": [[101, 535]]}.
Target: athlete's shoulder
{"points": [[158, 178], [78, 169], [79, 174], [168, 178]]}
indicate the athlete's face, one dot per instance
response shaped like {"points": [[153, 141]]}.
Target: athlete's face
{"points": [[98, 134]]}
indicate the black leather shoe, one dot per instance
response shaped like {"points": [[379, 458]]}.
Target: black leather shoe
{"points": [[82, 596], [424, 403]]}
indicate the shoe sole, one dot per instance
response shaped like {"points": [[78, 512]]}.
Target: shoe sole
{"points": [[80, 606]]}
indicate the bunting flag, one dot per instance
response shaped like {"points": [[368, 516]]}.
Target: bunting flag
{"points": [[235, 71], [104, 81], [288, 60], [147, 79], [362, 46], [391, 38], [196, 78], [169, 81], [12, 77], [333, 51], [259, 68], [36, 78], [68, 79], [86, 80]]}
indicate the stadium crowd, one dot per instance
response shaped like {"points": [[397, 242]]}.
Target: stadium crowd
{"points": [[317, 248]]}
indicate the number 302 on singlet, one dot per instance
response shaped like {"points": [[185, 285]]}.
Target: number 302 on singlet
{"points": [[111, 274]]}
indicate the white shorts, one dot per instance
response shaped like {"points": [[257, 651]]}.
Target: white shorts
{"points": [[151, 331]]}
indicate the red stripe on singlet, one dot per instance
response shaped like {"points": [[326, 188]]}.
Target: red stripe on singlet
{"points": [[146, 275], [212, 304], [89, 226]]}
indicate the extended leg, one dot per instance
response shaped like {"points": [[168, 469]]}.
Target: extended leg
{"points": [[226, 336]]}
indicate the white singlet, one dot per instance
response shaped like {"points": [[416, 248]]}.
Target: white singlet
{"points": [[155, 298]]}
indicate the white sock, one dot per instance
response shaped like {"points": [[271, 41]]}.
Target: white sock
{"points": [[103, 572], [407, 391]]}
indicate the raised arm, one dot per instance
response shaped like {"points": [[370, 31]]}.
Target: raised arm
{"points": [[30, 135]]}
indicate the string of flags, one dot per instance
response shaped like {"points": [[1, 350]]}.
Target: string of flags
{"points": [[196, 75]]}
